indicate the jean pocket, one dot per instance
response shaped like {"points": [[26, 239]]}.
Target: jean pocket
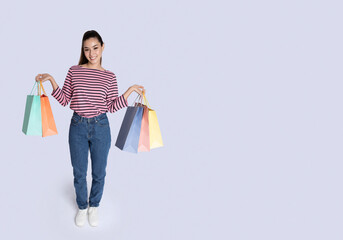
{"points": [[75, 121], [103, 122]]}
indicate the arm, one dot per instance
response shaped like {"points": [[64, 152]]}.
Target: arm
{"points": [[127, 93], [115, 103], [53, 84], [63, 96]]}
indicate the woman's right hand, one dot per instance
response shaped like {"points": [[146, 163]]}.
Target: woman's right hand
{"points": [[44, 77]]}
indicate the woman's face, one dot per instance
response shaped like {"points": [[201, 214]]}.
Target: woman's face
{"points": [[93, 50]]}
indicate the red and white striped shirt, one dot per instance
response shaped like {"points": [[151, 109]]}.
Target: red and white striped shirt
{"points": [[91, 91]]}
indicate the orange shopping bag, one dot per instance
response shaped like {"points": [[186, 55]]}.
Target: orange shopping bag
{"points": [[48, 122]]}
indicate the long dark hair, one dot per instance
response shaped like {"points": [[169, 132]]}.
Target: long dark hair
{"points": [[86, 35]]}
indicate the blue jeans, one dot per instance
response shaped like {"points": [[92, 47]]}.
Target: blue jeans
{"points": [[89, 134]]}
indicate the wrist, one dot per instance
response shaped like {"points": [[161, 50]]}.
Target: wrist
{"points": [[127, 94]]}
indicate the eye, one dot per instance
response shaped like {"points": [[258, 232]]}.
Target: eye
{"points": [[96, 48]]}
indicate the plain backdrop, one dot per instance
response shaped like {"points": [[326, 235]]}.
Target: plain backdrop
{"points": [[248, 99]]}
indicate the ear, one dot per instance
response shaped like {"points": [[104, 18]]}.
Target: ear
{"points": [[103, 46]]}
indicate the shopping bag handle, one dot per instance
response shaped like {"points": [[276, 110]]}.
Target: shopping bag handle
{"points": [[34, 87], [41, 87], [136, 99], [145, 100]]}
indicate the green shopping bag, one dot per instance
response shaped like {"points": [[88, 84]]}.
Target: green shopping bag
{"points": [[32, 124]]}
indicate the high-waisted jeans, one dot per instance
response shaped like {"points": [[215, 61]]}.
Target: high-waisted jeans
{"points": [[89, 134]]}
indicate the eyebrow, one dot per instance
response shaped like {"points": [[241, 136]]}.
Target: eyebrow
{"points": [[93, 46]]}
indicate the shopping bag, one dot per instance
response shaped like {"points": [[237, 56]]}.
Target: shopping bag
{"points": [[32, 124], [48, 122], [129, 132], [154, 128], [144, 140]]}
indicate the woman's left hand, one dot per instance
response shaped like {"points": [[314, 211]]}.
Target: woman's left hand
{"points": [[138, 89]]}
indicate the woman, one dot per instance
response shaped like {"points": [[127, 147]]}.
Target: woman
{"points": [[93, 91]]}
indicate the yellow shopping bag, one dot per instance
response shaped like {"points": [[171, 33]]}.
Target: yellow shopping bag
{"points": [[154, 128]]}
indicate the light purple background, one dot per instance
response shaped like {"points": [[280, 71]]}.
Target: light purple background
{"points": [[248, 98]]}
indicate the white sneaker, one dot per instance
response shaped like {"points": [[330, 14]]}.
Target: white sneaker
{"points": [[80, 218], [93, 216]]}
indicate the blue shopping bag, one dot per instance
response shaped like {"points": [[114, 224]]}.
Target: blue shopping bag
{"points": [[130, 129]]}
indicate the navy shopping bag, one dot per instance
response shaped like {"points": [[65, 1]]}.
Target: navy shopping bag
{"points": [[130, 129]]}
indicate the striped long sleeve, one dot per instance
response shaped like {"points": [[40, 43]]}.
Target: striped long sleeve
{"points": [[90, 92], [63, 96], [115, 103]]}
